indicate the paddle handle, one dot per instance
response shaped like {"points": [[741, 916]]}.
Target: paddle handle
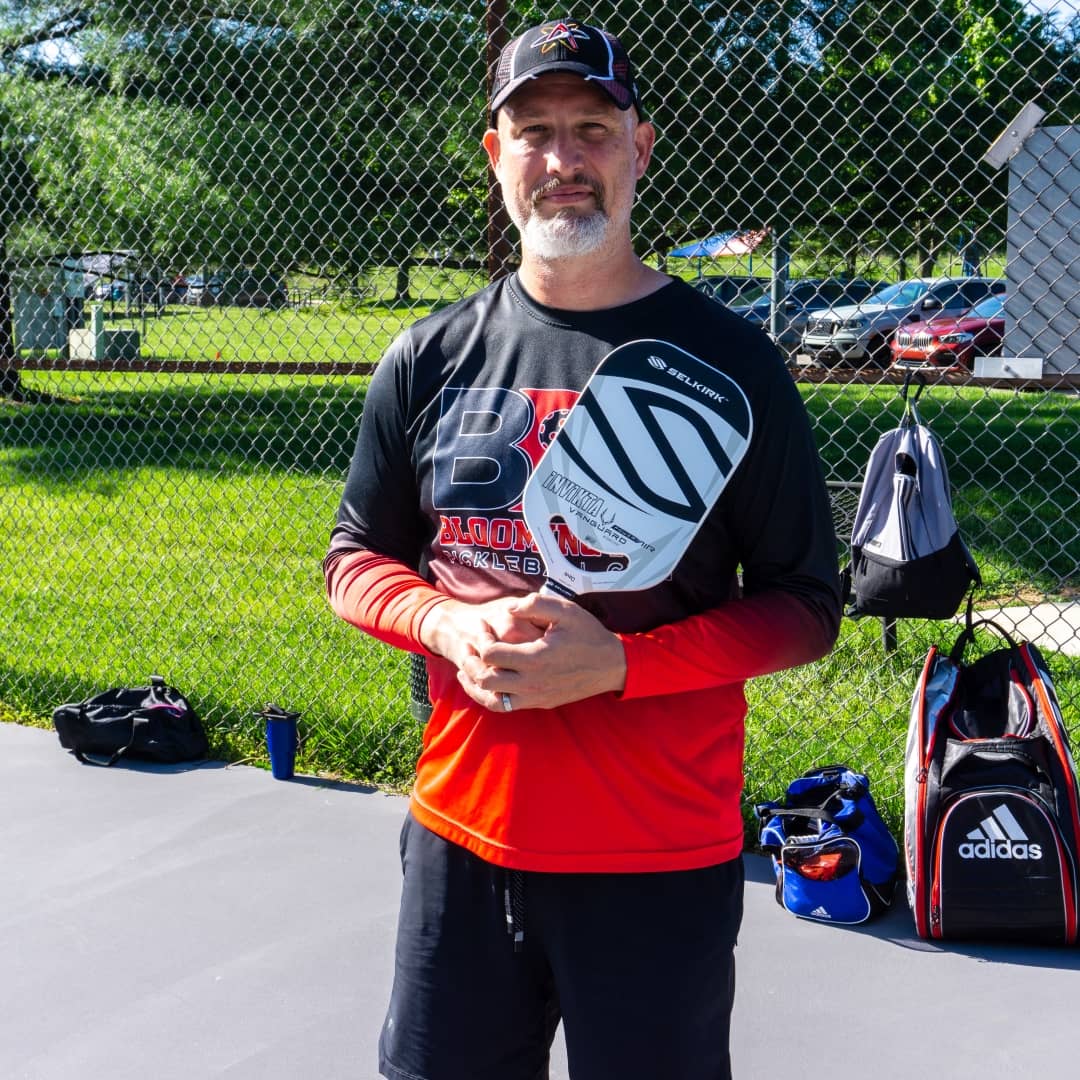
{"points": [[557, 588]]}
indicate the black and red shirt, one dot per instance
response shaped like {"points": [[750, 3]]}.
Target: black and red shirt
{"points": [[457, 414]]}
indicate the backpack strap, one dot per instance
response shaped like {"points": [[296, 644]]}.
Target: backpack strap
{"points": [[967, 635], [911, 414], [850, 823], [116, 755]]}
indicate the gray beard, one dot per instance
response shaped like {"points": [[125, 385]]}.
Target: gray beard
{"points": [[565, 235]]}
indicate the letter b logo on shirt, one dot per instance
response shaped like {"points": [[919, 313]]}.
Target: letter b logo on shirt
{"points": [[476, 464]]}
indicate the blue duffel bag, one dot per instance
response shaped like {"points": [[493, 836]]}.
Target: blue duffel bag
{"points": [[834, 859]]}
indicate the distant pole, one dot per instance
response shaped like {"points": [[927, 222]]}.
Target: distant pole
{"points": [[500, 248], [9, 375], [781, 266]]}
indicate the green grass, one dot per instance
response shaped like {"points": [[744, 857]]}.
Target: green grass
{"points": [[175, 524], [324, 333], [180, 530], [1012, 459], [332, 329]]}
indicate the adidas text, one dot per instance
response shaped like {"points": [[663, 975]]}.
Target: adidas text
{"points": [[1000, 849]]}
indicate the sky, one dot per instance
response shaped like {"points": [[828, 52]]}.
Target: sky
{"points": [[1062, 8]]}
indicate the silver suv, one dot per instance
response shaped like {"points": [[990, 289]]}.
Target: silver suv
{"points": [[859, 333]]}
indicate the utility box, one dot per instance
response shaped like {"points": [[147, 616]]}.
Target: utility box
{"points": [[96, 343], [47, 305], [1042, 305], [38, 302]]}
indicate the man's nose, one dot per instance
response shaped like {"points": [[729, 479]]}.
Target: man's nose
{"points": [[564, 156]]}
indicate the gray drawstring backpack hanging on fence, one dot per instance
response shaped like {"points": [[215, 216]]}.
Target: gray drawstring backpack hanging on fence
{"points": [[907, 557]]}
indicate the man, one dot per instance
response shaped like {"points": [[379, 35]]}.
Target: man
{"points": [[572, 849]]}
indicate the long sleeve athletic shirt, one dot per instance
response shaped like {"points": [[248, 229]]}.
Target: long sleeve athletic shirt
{"points": [[457, 414]]}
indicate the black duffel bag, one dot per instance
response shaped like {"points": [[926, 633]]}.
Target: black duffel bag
{"points": [[154, 723]]}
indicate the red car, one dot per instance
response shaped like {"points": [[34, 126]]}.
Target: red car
{"points": [[953, 341]]}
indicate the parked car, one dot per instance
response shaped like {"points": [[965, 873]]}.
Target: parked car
{"points": [[244, 288], [137, 290], [731, 288], [108, 290], [249, 288], [859, 333], [949, 342], [202, 291], [804, 297], [176, 290]]}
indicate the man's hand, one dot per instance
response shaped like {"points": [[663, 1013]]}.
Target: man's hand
{"points": [[568, 655], [460, 631]]}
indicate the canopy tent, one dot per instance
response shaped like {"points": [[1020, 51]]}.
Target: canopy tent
{"points": [[736, 242]]}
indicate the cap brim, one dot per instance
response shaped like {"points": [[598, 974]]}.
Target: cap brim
{"points": [[587, 73]]}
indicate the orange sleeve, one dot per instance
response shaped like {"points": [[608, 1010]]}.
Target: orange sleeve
{"points": [[757, 635], [381, 596]]}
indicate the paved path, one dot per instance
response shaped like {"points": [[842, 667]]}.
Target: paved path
{"points": [[186, 923], [1050, 626]]}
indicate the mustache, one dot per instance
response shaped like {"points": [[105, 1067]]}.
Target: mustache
{"points": [[555, 183]]}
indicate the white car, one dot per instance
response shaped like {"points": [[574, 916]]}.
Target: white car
{"points": [[859, 334]]}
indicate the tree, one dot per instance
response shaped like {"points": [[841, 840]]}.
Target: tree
{"points": [[717, 80], [912, 94], [18, 203], [324, 135]]}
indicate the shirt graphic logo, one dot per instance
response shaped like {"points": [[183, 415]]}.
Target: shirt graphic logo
{"points": [[488, 443]]}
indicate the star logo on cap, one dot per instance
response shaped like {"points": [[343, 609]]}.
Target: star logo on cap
{"points": [[567, 34]]}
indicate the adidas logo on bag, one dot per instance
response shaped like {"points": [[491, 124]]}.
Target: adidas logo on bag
{"points": [[820, 913], [999, 836]]}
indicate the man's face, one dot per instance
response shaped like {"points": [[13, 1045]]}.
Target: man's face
{"points": [[567, 159]]}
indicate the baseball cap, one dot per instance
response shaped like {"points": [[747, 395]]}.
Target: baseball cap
{"points": [[566, 45]]}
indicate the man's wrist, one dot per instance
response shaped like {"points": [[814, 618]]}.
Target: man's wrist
{"points": [[619, 667], [434, 626]]}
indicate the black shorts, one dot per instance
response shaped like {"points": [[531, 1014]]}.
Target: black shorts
{"points": [[639, 968]]}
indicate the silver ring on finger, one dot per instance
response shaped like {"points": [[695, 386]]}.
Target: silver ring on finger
{"points": [[507, 704]]}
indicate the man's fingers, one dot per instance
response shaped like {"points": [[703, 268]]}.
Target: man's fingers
{"points": [[500, 701], [542, 609]]}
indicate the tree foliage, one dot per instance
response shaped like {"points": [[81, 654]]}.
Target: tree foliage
{"points": [[334, 133], [912, 94], [327, 134]]}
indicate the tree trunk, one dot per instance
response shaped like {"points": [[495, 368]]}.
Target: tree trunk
{"points": [[10, 386], [500, 236], [401, 289], [924, 250]]}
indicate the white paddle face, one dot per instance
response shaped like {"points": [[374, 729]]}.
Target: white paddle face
{"points": [[638, 463]]}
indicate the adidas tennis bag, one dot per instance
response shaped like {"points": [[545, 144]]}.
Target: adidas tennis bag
{"points": [[834, 858], [991, 823], [908, 559]]}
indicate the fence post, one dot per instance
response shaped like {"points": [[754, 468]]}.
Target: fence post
{"points": [[500, 248]]}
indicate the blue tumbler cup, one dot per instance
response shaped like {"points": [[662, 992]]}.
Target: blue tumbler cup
{"points": [[281, 740]]}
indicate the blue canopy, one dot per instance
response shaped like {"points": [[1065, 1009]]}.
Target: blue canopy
{"points": [[736, 242], [703, 248]]}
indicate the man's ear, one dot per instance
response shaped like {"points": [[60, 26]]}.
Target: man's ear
{"points": [[490, 142], [644, 139]]}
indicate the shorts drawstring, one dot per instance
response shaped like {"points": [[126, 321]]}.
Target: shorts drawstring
{"points": [[514, 903]]}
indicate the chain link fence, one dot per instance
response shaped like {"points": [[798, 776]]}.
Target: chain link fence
{"points": [[211, 225]]}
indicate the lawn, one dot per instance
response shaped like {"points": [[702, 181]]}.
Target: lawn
{"points": [[1012, 459], [175, 524]]}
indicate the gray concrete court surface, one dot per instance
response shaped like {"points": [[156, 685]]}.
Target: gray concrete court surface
{"points": [[176, 923]]}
